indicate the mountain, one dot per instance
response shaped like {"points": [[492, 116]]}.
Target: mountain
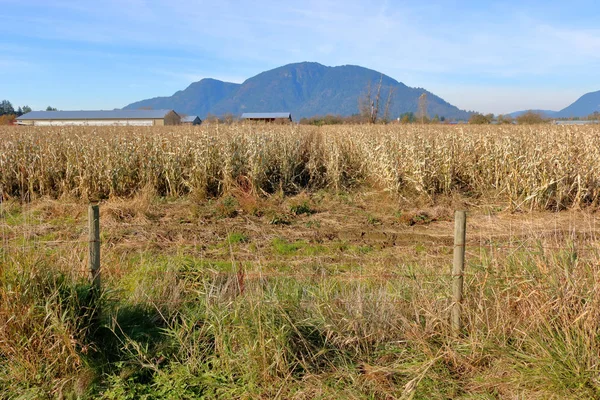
{"points": [[305, 89], [584, 106], [544, 113], [198, 99]]}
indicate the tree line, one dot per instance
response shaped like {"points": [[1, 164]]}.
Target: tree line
{"points": [[6, 108], [8, 114], [527, 118]]}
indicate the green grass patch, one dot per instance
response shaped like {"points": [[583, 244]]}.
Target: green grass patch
{"points": [[237, 237], [285, 248]]}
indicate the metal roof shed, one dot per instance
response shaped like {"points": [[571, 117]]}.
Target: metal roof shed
{"points": [[100, 118], [267, 117], [191, 120]]}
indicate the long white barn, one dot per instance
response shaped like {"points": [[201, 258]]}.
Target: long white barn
{"points": [[100, 118]]}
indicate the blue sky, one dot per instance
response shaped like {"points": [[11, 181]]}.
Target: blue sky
{"points": [[488, 56]]}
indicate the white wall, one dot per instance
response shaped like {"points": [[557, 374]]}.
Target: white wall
{"points": [[125, 122]]}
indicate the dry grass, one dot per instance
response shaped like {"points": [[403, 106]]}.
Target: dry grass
{"points": [[545, 167]]}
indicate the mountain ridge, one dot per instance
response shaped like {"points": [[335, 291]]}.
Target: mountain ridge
{"points": [[305, 89], [543, 113], [582, 107]]}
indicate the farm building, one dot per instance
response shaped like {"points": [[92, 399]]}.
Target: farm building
{"points": [[191, 120], [100, 118], [268, 117], [576, 122]]}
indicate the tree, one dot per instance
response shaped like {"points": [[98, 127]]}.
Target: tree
{"points": [[530, 118], [369, 104], [26, 109], [7, 119], [211, 119], [51, 109], [479, 119], [423, 107], [172, 118], [504, 119], [407, 118], [388, 103], [228, 118], [6, 108], [366, 105]]}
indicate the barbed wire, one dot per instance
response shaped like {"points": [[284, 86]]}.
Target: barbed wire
{"points": [[482, 248], [426, 250], [244, 276], [421, 246]]}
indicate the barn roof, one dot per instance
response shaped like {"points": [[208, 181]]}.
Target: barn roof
{"points": [[113, 114], [189, 118], [266, 115]]}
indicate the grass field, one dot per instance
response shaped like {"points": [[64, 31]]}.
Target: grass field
{"points": [[297, 262]]}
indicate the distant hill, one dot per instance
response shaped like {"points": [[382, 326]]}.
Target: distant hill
{"points": [[544, 113], [305, 89], [198, 99], [584, 106]]}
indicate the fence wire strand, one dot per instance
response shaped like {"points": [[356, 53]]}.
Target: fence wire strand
{"points": [[483, 250]]}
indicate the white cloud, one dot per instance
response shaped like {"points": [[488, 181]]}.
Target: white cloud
{"points": [[577, 42]]}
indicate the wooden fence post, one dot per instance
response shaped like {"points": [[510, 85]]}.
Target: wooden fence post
{"points": [[458, 268], [94, 247]]}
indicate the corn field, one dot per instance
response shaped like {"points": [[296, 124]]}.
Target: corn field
{"points": [[547, 167]]}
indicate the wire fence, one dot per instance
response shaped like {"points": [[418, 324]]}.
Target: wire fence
{"points": [[427, 266], [581, 245], [409, 276]]}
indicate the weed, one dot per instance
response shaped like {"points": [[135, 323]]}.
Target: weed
{"points": [[302, 208], [237, 237], [227, 207], [420, 248], [372, 220], [313, 224], [364, 249], [280, 219], [418, 218]]}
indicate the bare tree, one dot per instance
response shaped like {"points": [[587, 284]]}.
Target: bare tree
{"points": [[172, 118], [366, 105], [375, 109], [369, 104], [423, 107], [388, 103]]}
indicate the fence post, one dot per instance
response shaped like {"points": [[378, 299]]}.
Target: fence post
{"points": [[458, 268], [94, 247]]}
